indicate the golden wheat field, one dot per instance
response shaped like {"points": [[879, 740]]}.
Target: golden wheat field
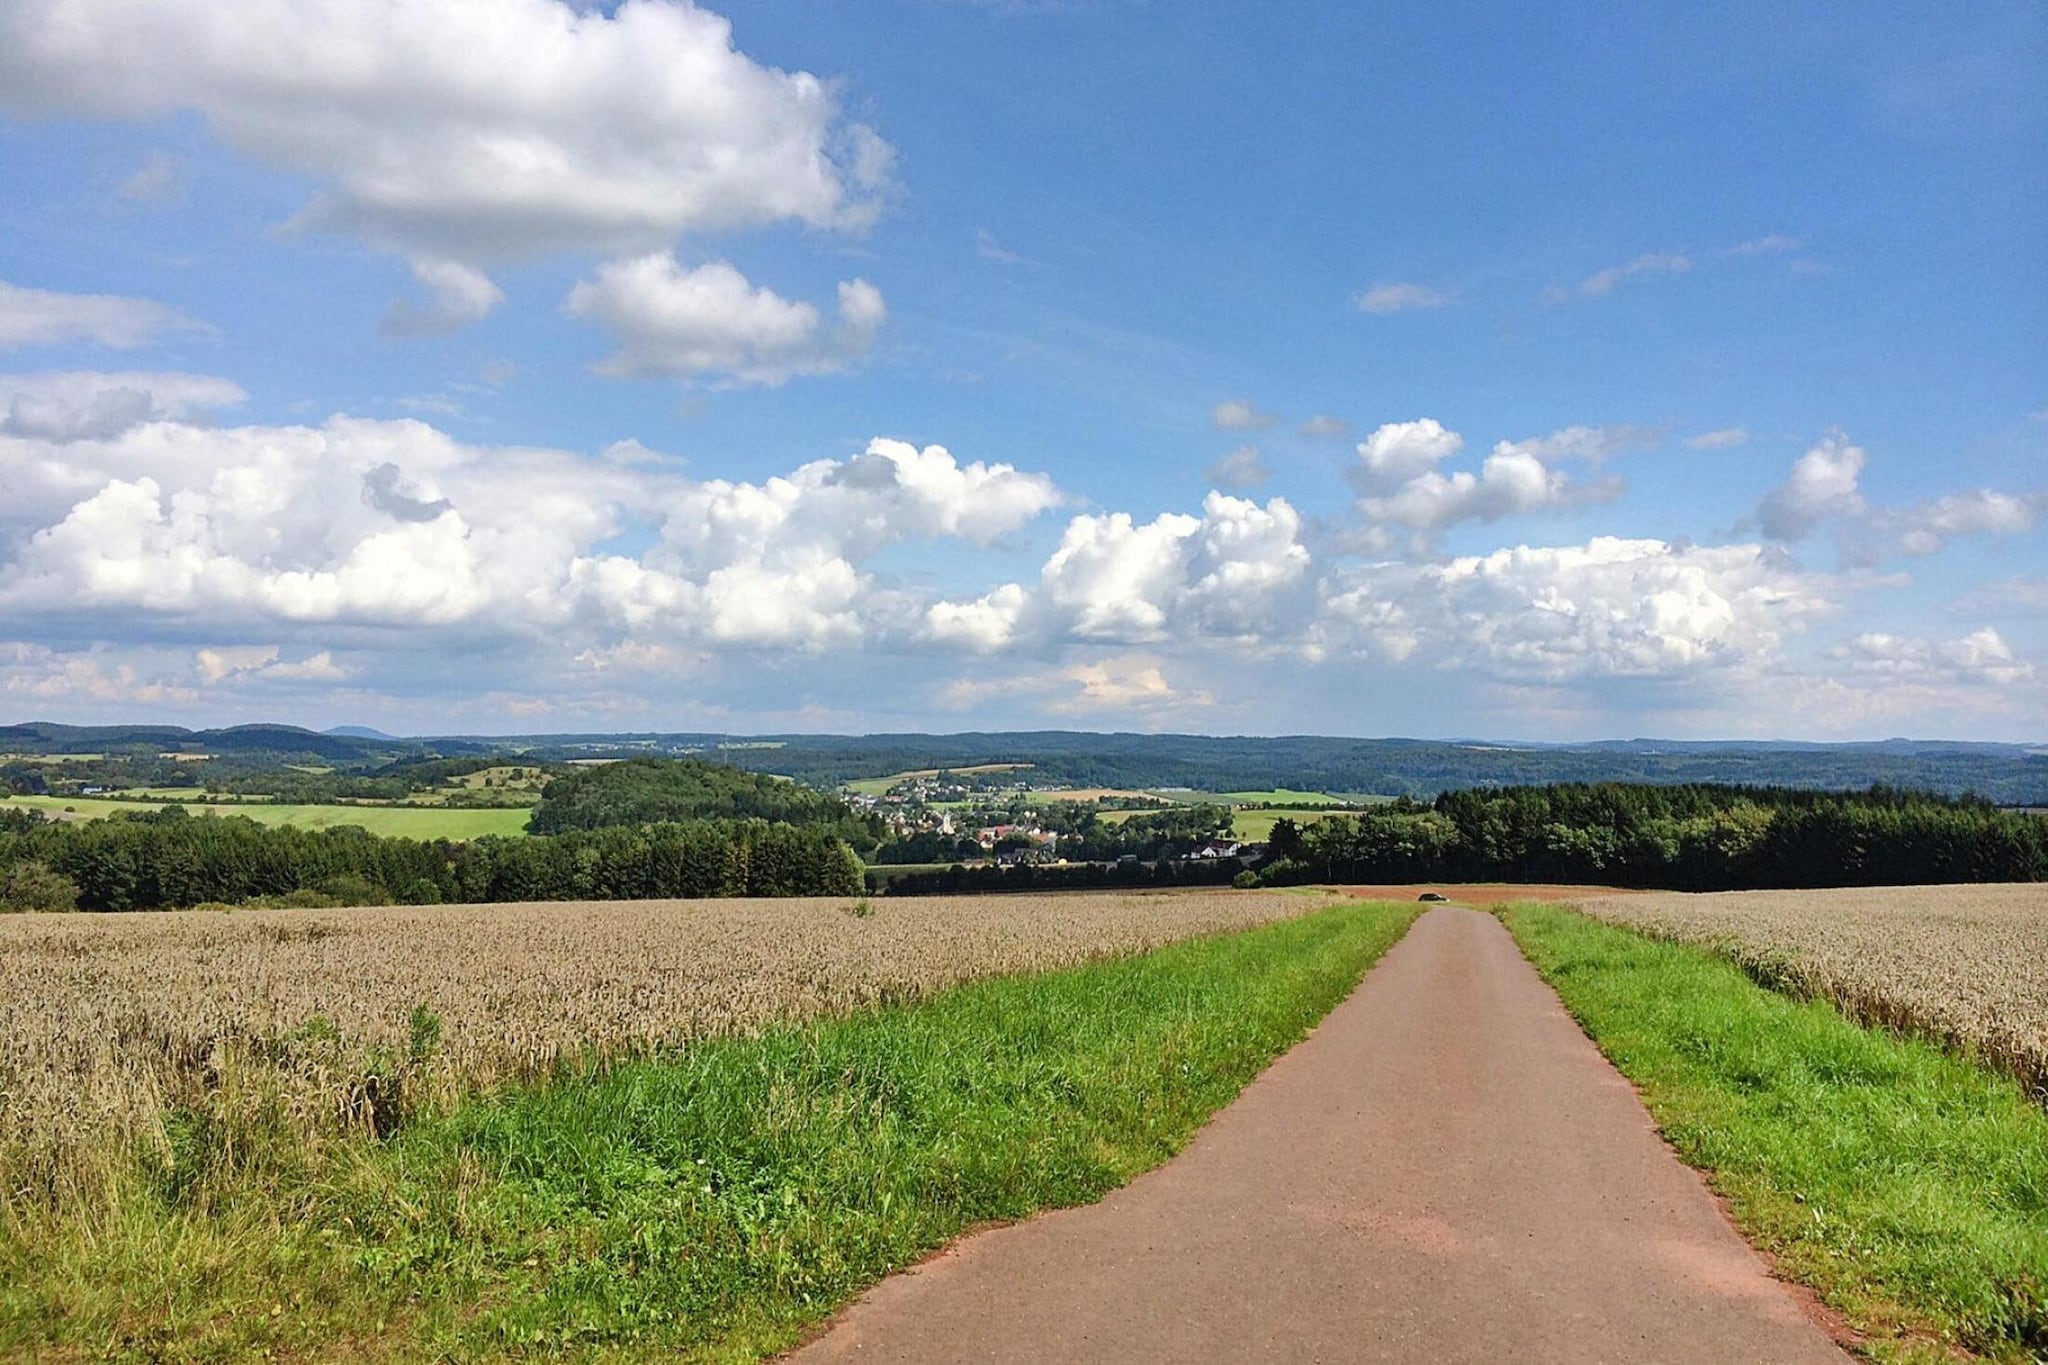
{"points": [[314, 1021], [1968, 964]]}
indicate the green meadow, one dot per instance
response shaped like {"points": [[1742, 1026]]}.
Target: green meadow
{"points": [[411, 822]]}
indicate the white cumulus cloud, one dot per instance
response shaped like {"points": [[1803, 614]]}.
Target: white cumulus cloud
{"points": [[460, 132], [667, 320], [1398, 473], [1824, 489], [1612, 607], [1230, 574]]}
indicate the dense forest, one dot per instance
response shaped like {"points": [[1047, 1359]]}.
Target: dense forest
{"points": [[643, 791], [169, 859], [1688, 838]]}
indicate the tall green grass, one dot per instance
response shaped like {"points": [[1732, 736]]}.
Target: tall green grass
{"points": [[712, 1203], [1906, 1184]]}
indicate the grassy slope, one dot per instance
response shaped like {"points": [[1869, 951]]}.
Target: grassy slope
{"points": [[415, 822], [1906, 1184], [714, 1203], [1257, 825]]}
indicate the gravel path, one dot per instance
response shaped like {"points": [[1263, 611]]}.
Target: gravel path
{"points": [[1445, 1170]]}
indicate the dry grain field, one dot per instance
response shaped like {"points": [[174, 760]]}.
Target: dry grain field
{"points": [[1967, 964], [324, 1021]]}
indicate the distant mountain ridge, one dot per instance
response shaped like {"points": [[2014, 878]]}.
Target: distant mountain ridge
{"points": [[2011, 774]]}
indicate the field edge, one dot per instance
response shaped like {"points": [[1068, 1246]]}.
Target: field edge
{"points": [[1779, 1100], [475, 1233]]}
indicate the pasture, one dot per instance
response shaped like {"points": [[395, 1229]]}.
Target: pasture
{"points": [[406, 821], [1257, 825], [1285, 796]]}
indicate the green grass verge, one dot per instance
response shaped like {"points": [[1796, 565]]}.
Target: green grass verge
{"points": [[412, 822], [1907, 1185], [713, 1203]]}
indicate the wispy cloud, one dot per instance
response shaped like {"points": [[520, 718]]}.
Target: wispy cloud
{"points": [[1651, 263], [1238, 415], [159, 181], [1383, 299], [1722, 438], [1774, 244], [1244, 467], [989, 249], [42, 317]]}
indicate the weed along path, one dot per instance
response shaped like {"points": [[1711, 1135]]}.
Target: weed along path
{"points": [[1445, 1170]]}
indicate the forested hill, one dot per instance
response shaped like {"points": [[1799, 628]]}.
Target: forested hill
{"points": [[2010, 774], [645, 791]]}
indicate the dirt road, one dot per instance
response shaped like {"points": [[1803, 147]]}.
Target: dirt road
{"points": [[1446, 1171]]}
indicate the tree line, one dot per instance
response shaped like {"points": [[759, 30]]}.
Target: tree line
{"points": [[1695, 837], [170, 859]]}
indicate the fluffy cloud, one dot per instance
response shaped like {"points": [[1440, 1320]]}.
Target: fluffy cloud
{"points": [[35, 673], [74, 406], [457, 295], [1509, 482], [1612, 607], [1403, 487], [778, 564], [468, 131], [983, 626], [1229, 574], [362, 553], [242, 662], [395, 526], [1383, 299], [1400, 451], [458, 132], [1823, 484], [1825, 489], [1244, 467], [42, 317], [670, 321], [1981, 657], [1925, 528]]}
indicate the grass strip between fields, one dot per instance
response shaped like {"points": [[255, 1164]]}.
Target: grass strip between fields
{"points": [[1904, 1183], [716, 1202]]}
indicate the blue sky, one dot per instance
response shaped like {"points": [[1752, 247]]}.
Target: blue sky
{"points": [[1433, 369]]}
